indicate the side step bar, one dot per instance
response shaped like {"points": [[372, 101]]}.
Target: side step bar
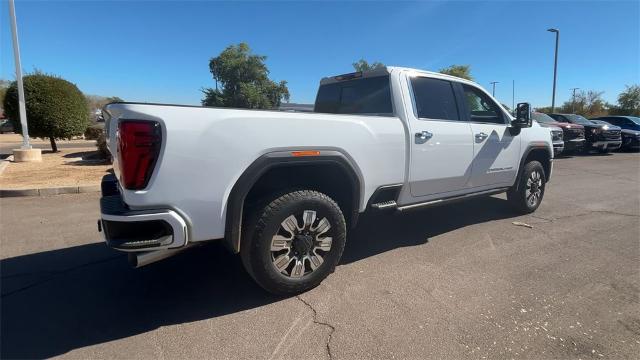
{"points": [[391, 204], [450, 199]]}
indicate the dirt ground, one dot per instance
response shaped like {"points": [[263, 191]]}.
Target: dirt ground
{"points": [[64, 168]]}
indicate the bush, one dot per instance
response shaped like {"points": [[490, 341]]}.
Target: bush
{"points": [[56, 108], [101, 143], [93, 132]]}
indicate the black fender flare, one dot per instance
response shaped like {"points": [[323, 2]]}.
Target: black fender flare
{"points": [[525, 155], [266, 162]]}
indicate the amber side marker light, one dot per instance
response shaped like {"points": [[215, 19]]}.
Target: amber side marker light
{"points": [[306, 153]]}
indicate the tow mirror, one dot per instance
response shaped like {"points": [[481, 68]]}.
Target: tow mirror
{"points": [[523, 116]]}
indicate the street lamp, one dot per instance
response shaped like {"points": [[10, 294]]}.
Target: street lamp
{"points": [[555, 69], [493, 91]]}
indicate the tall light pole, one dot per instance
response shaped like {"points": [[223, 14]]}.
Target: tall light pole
{"points": [[555, 69], [493, 92], [16, 55], [573, 99]]}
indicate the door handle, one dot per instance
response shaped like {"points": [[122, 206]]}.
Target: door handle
{"points": [[481, 136], [423, 137]]}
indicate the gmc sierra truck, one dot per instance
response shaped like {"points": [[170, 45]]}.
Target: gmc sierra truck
{"points": [[282, 188]]}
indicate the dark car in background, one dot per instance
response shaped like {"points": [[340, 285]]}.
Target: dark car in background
{"points": [[603, 138], [630, 126], [572, 134], [557, 134]]}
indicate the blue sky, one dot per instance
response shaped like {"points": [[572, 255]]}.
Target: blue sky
{"points": [[159, 51]]}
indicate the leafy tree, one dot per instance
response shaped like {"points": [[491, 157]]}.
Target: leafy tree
{"points": [[363, 65], [586, 103], [56, 108], [461, 71], [244, 82], [628, 101]]}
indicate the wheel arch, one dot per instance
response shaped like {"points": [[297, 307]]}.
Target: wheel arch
{"points": [[538, 152], [256, 179]]}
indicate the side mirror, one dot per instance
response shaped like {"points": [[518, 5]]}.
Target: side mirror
{"points": [[523, 116]]}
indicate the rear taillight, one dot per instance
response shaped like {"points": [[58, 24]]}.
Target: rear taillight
{"points": [[138, 150]]}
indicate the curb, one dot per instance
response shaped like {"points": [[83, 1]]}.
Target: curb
{"points": [[50, 191]]}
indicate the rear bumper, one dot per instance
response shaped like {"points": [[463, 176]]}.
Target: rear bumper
{"points": [[138, 230]]}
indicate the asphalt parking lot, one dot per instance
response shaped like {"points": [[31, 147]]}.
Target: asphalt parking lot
{"points": [[459, 281]]}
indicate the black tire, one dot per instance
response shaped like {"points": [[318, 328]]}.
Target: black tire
{"points": [[520, 195], [604, 150], [268, 221]]}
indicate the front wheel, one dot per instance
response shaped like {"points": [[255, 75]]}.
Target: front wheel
{"points": [[294, 242], [527, 194]]}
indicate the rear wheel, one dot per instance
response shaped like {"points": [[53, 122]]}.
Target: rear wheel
{"points": [[527, 195], [297, 241]]}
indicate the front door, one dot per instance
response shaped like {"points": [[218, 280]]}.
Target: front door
{"points": [[496, 151], [441, 139]]}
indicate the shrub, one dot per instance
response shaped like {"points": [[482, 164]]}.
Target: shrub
{"points": [[56, 108], [101, 143], [93, 131]]}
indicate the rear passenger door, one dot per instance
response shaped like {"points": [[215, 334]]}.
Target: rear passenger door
{"points": [[496, 151], [441, 139]]}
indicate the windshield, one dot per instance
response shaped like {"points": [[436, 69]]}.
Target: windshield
{"points": [[577, 119], [634, 119], [543, 118]]}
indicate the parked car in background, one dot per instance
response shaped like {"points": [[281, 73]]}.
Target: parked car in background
{"points": [[557, 134], [6, 126], [603, 138], [630, 126], [573, 134]]}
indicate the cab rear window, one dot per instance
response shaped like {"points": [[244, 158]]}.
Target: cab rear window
{"points": [[367, 96]]}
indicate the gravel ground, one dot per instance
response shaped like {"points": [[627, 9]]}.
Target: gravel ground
{"points": [[64, 168], [455, 282]]}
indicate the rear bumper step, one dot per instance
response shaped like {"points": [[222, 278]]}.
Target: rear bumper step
{"points": [[125, 229]]}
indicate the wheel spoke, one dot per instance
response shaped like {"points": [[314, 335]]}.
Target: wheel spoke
{"points": [[323, 227], [282, 262], [315, 261], [290, 224], [298, 269], [279, 242], [323, 244], [309, 217]]}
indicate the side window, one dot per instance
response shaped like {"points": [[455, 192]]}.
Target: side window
{"points": [[434, 99], [481, 108]]}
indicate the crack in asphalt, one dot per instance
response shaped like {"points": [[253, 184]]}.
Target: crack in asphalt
{"points": [[52, 275], [316, 321], [583, 214]]}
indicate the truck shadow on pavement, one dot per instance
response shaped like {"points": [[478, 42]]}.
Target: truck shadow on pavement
{"points": [[57, 301]]}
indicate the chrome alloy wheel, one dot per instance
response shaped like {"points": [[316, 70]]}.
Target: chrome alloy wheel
{"points": [[299, 250], [533, 190]]}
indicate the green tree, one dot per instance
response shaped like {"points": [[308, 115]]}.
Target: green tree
{"points": [[242, 81], [461, 71], [586, 103], [56, 108], [363, 65], [628, 101]]}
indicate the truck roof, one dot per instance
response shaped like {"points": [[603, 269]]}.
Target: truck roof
{"points": [[385, 70]]}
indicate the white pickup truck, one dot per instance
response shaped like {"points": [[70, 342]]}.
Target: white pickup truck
{"points": [[281, 188]]}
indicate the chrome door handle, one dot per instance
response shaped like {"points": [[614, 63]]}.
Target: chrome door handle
{"points": [[481, 136], [422, 137]]}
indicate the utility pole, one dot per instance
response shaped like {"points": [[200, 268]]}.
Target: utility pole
{"points": [[16, 55], [493, 92], [513, 95], [573, 100], [555, 69]]}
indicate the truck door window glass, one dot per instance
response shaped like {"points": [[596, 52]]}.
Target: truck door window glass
{"points": [[371, 96], [434, 99], [481, 108]]}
